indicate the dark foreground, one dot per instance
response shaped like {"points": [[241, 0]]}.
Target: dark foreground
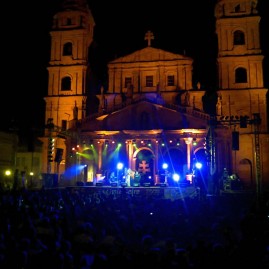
{"points": [[105, 227]]}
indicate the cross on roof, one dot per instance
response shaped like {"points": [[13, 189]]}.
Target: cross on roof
{"points": [[149, 36]]}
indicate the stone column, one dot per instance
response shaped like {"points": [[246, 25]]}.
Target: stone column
{"points": [[188, 142]]}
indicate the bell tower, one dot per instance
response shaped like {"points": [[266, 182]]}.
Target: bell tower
{"points": [[241, 92], [240, 60], [71, 36], [239, 52]]}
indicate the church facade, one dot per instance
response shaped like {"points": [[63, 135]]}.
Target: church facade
{"points": [[151, 113]]}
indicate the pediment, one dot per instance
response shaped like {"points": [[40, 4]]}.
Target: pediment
{"points": [[145, 116], [150, 54]]}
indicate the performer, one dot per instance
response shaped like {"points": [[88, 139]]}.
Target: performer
{"points": [[113, 178], [137, 178], [128, 177]]}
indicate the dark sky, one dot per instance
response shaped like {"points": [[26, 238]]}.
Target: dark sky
{"points": [[120, 28]]}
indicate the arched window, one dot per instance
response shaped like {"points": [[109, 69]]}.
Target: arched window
{"points": [[67, 49], [240, 75], [239, 38], [66, 84]]}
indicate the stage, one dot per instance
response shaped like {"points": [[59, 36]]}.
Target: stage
{"points": [[97, 193], [119, 192]]}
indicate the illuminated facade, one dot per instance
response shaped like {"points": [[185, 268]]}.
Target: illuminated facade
{"points": [[151, 107], [71, 36]]}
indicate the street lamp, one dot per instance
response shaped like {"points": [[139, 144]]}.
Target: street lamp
{"points": [[7, 177], [31, 179]]}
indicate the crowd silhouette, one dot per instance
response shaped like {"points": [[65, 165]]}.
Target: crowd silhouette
{"points": [[68, 228]]}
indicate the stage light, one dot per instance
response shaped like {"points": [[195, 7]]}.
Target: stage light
{"points": [[198, 165], [165, 166], [119, 166], [176, 177], [50, 149]]}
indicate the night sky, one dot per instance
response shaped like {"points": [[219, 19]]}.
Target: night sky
{"points": [[179, 27]]}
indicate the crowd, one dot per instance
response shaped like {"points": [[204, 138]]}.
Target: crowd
{"points": [[68, 228]]}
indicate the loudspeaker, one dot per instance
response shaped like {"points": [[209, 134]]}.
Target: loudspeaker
{"points": [[146, 184], [235, 140], [99, 184], [50, 180], [114, 184], [58, 155], [55, 180]]}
